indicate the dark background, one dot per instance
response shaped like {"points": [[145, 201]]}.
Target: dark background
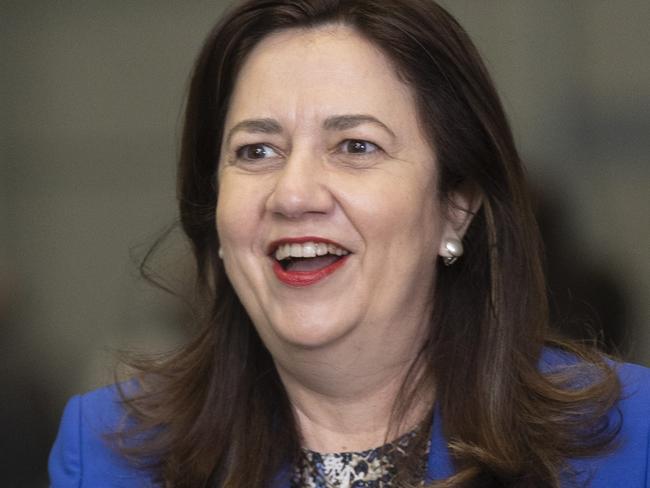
{"points": [[91, 97]]}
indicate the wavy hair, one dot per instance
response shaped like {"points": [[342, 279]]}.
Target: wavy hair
{"points": [[214, 413]]}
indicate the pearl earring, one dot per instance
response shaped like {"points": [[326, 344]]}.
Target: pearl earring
{"points": [[220, 253], [455, 248]]}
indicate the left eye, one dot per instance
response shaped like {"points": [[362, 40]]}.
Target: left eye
{"points": [[356, 146]]}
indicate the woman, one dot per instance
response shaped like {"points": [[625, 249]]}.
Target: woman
{"points": [[374, 305]]}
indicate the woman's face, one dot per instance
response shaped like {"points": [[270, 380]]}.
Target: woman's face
{"points": [[323, 157]]}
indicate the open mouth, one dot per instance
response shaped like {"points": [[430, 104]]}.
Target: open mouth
{"points": [[305, 263], [308, 256], [308, 264]]}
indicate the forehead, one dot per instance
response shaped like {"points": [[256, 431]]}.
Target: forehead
{"points": [[316, 72]]}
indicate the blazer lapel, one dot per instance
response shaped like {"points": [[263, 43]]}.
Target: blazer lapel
{"points": [[439, 465]]}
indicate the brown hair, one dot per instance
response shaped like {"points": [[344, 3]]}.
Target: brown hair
{"points": [[215, 413]]}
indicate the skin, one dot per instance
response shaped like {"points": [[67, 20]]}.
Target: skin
{"points": [[342, 345]]}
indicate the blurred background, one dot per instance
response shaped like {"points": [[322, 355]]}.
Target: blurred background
{"points": [[92, 93]]}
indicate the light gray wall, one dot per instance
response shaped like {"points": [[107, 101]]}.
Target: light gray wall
{"points": [[575, 80], [91, 100]]}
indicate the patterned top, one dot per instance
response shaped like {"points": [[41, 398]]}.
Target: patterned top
{"points": [[374, 468]]}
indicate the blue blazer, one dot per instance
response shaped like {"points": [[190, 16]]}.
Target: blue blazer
{"points": [[82, 458]]}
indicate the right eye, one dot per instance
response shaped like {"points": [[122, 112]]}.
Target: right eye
{"points": [[252, 152]]}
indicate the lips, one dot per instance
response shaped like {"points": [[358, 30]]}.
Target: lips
{"points": [[304, 261]]}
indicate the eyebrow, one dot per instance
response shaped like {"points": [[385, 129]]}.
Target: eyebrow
{"points": [[345, 122], [256, 126], [333, 123]]}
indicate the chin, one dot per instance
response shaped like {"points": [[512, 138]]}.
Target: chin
{"points": [[302, 325], [308, 334]]}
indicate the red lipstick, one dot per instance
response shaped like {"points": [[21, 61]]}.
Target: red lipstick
{"points": [[304, 278]]}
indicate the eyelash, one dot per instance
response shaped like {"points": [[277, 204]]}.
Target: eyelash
{"points": [[240, 152]]}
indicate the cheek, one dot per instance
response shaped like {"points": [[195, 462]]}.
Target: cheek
{"points": [[397, 211], [234, 213]]}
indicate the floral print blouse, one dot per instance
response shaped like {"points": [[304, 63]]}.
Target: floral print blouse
{"points": [[374, 468]]}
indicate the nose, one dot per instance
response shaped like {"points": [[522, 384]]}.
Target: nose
{"points": [[300, 188]]}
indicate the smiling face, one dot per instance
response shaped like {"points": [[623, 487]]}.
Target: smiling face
{"points": [[323, 158]]}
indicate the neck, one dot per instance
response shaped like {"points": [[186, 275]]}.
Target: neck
{"points": [[342, 406]]}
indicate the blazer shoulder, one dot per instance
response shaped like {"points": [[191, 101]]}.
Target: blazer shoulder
{"points": [[629, 461], [84, 453], [634, 405], [636, 383]]}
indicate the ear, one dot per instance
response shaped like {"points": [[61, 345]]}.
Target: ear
{"points": [[459, 208]]}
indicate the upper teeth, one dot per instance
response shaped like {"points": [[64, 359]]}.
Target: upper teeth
{"points": [[307, 250]]}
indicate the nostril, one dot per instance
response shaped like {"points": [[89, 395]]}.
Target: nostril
{"points": [[299, 189]]}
